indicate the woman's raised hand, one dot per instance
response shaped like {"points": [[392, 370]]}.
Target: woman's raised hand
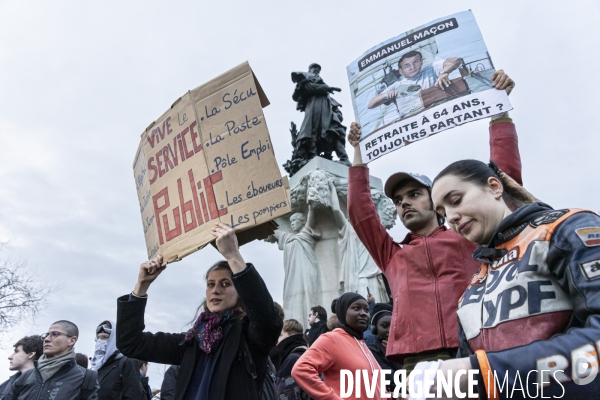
{"points": [[149, 271], [227, 245]]}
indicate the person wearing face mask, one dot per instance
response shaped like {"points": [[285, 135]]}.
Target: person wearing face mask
{"points": [[225, 353], [380, 327], [27, 350], [341, 349], [530, 319], [117, 374]]}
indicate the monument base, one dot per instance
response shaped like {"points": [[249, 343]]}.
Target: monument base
{"points": [[334, 246]]}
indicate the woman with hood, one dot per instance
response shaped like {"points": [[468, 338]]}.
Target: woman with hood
{"points": [[341, 349], [529, 322], [118, 375], [225, 353]]}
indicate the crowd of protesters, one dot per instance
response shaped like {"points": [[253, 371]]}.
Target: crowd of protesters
{"points": [[489, 279]]}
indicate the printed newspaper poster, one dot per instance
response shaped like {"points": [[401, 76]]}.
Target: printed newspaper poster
{"points": [[424, 81], [209, 159]]}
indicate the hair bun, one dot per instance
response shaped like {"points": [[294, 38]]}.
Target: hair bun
{"points": [[494, 168]]}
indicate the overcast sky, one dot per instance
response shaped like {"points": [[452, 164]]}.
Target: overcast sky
{"points": [[80, 81]]}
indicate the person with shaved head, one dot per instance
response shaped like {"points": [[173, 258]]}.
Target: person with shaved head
{"points": [[57, 375]]}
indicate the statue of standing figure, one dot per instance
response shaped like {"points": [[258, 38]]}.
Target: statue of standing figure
{"points": [[321, 132], [358, 271], [323, 256], [301, 287]]}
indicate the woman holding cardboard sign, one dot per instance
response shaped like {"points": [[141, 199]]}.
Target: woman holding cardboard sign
{"points": [[225, 354]]}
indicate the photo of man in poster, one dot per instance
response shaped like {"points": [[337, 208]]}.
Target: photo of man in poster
{"points": [[405, 92]]}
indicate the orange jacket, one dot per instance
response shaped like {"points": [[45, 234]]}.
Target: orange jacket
{"points": [[332, 352]]}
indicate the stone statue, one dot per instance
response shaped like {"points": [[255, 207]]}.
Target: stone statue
{"points": [[348, 250], [317, 192], [323, 256], [322, 132], [301, 288], [369, 275], [385, 208], [358, 271]]}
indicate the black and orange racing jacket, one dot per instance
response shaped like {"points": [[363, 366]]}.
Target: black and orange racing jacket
{"points": [[530, 319]]}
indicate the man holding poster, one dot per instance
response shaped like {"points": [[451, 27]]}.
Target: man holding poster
{"points": [[429, 270]]}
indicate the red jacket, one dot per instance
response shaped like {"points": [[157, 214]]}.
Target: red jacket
{"points": [[427, 275]]}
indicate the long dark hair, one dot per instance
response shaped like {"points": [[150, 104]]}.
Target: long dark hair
{"points": [[219, 265], [478, 173]]}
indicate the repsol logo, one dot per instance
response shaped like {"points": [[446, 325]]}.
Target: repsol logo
{"points": [[516, 297], [512, 255], [584, 366]]}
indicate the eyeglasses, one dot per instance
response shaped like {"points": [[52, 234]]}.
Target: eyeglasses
{"points": [[53, 335]]}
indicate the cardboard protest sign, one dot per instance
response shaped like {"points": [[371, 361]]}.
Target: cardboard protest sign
{"points": [[208, 159], [395, 86]]}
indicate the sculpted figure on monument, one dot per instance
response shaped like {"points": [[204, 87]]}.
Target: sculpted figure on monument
{"points": [[369, 274], [385, 208], [320, 263], [301, 287], [321, 132], [358, 271], [317, 192]]}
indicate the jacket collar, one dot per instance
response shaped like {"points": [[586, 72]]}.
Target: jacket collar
{"points": [[289, 344], [510, 227], [412, 236], [517, 221], [377, 347]]}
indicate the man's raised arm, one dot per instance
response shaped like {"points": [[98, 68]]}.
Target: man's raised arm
{"points": [[361, 209], [504, 142]]}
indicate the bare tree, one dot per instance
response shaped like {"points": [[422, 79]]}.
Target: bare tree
{"points": [[21, 293]]}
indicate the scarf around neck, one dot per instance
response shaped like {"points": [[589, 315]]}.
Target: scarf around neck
{"points": [[208, 329], [48, 366], [341, 308]]}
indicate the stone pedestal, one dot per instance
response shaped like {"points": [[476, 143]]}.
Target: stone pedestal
{"points": [[333, 243]]}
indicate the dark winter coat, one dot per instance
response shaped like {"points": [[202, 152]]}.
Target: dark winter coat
{"points": [[144, 381], [65, 384], [290, 349], [167, 389], [7, 385], [119, 378], [379, 353], [316, 330], [260, 327]]}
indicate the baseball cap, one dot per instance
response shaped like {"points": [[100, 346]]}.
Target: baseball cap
{"points": [[398, 177]]}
